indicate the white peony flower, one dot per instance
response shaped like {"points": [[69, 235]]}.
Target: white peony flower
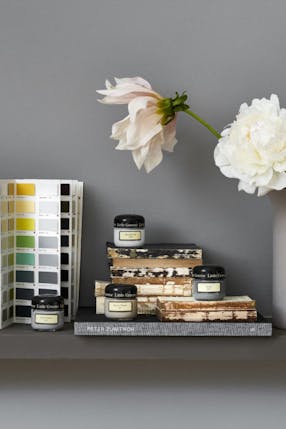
{"points": [[146, 131], [253, 148]]}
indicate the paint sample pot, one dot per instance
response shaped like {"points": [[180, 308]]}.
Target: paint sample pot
{"points": [[208, 283], [47, 312], [120, 301], [129, 230]]}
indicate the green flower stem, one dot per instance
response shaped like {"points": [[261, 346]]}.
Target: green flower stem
{"points": [[204, 123]]}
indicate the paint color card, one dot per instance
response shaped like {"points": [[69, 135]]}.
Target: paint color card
{"points": [[65, 292], [48, 277], [11, 241], [49, 225], [11, 259], [64, 275], [47, 188], [25, 189], [24, 276], [11, 277], [11, 189], [40, 244], [65, 189], [48, 292], [25, 224], [25, 241], [65, 206], [4, 243], [65, 223], [26, 294], [25, 206], [46, 260], [25, 258], [48, 242], [65, 241], [64, 258], [4, 208], [23, 311], [4, 225], [49, 208], [11, 207]]}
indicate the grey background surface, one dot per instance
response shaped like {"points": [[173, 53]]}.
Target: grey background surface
{"points": [[53, 56]]}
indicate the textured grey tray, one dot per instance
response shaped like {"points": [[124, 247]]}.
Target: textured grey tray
{"points": [[89, 323]]}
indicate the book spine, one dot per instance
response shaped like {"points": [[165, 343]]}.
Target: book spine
{"points": [[152, 280], [204, 305], [154, 289], [151, 273], [138, 263], [207, 316], [121, 252]]}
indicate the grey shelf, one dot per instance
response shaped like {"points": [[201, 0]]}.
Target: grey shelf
{"points": [[21, 342]]}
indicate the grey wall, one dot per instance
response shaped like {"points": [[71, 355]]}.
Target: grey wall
{"points": [[53, 56]]}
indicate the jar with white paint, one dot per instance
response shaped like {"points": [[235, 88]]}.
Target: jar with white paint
{"points": [[120, 301], [129, 230], [47, 312]]}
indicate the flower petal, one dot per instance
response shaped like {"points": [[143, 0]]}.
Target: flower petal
{"points": [[119, 128], [125, 90], [145, 127], [140, 103], [169, 136], [139, 156], [154, 155], [133, 80]]}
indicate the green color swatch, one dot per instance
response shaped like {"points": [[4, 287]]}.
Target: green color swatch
{"points": [[25, 259], [27, 241]]}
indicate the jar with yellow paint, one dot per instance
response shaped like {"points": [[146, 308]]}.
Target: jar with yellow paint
{"points": [[129, 230]]}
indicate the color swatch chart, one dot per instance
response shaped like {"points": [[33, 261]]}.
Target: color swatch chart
{"points": [[41, 223]]}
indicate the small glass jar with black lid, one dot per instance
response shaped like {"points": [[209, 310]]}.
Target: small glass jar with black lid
{"points": [[208, 283], [120, 301], [129, 230], [47, 312]]}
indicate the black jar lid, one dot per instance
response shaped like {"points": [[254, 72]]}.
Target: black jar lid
{"points": [[129, 221], [209, 272], [48, 301], [117, 290]]}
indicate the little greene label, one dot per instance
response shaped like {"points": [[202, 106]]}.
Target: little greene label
{"points": [[47, 319], [120, 306], [129, 235], [208, 287]]}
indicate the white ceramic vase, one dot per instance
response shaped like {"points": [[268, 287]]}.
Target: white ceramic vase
{"points": [[278, 200]]}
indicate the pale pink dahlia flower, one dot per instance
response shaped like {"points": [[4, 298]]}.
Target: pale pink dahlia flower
{"points": [[150, 126]]}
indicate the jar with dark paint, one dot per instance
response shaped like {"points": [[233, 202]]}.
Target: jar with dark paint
{"points": [[209, 283]]}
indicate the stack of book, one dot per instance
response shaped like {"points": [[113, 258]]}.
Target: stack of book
{"points": [[156, 270], [231, 308]]}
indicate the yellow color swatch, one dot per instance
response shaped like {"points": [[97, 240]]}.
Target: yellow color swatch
{"points": [[10, 188], [25, 206], [25, 189], [4, 208], [11, 206], [25, 224], [4, 226], [11, 224]]}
